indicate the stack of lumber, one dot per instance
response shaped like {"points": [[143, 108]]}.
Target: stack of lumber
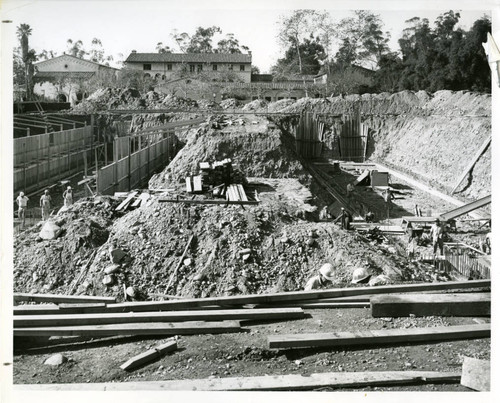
{"points": [[384, 229], [236, 193], [128, 201], [98, 317]]}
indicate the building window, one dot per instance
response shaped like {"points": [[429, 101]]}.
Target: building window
{"points": [[169, 67], [200, 68], [146, 66], [242, 67], [230, 67], [191, 68], [214, 67]]}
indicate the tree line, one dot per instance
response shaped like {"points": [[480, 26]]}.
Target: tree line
{"points": [[430, 58]]}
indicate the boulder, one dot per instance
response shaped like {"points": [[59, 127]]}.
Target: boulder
{"points": [[56, 360], [116, 255], [108, 280], [49, 231], [111, 269]]}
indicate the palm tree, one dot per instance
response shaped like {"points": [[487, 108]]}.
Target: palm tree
{"points": [[23, 32]]}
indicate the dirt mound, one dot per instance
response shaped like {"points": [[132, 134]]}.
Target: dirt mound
{"points": [[258, 105], [229, 103], [253, 148], [431, 137], [52, 265]]}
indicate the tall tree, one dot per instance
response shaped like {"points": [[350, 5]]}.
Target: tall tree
{"points": [[160, 48], [47, 54], [293, 29], [28, 56], [201, 41], [229, 45], [362, 38], [75, 48], [311, 53]]}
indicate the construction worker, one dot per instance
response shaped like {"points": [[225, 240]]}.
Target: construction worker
{"points": [[369, 216], [486, 244], [22, 202], [360, 275], [418, 211], [345, 217], [388, 197], [45, 201], [325, 275], [437, 236], [68, 197]]}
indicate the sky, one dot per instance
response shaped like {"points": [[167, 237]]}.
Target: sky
{"points": [[126, 25]]}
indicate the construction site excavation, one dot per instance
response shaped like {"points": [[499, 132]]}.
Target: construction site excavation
{"points": [[336, 243], [290, 200]]}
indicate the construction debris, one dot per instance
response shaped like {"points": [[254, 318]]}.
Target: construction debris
{"points": [[149, 355], [476, 374]]}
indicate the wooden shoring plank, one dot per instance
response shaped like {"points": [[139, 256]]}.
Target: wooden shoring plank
{"points": [[289, 382], [57, 298], [145, 317], [133, 329], [126, 202], [150, 355], [379, 337], [322, 305], [189, 186], [181, 260], [295, 296], [471, 163], [243, 195], [43, 309], [188, 201], [464, 304]]}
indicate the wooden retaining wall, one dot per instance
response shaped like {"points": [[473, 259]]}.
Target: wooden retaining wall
{"points": [[309, 136], [44, 159], [353, 139], [133, 168], [465, 260]]}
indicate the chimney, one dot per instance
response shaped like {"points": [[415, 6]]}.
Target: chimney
{"points": [[250, 52], [134, 51]]}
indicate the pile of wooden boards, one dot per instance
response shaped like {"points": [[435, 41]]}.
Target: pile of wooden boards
{"points": [[214, 176], [236, 193], [131, 199], [98, 317]]}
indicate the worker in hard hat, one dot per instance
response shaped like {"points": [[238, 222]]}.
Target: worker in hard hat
{"points": [[68, 196], [326, 274], [437, 236], [22, 203], [45, 201], [360, 275]]}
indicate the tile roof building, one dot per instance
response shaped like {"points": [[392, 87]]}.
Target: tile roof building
{"points": [[60, 78], [170, 66]]}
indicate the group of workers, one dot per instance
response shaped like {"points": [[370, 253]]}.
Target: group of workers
{"points": [[45, 203]]}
